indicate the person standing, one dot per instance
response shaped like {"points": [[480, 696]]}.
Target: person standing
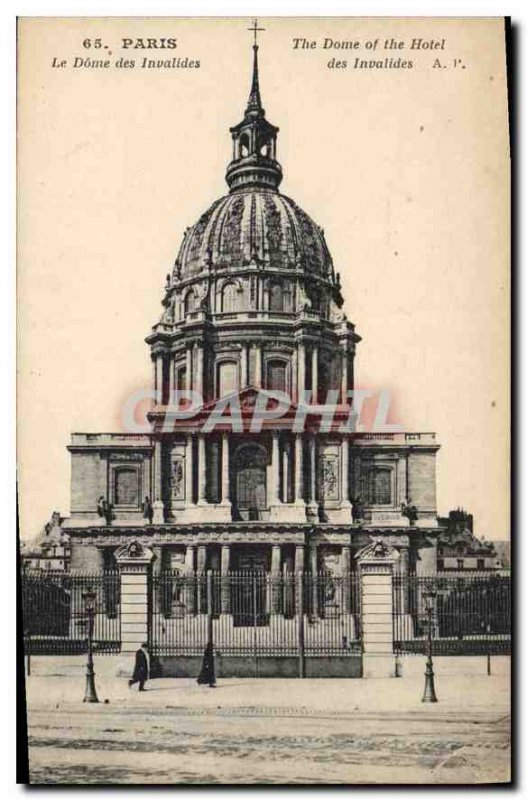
{"points": [[207, 668], [142, 667]]}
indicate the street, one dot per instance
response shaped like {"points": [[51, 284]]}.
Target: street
{"points": [[271, 732]]}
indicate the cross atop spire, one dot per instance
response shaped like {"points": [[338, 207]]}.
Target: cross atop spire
{"points": [[255, 30], [255, 101]]}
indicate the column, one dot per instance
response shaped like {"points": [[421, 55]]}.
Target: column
{"points": [[199, 370], [285, 473], [344, 381], [189, 469], [301, 381], [314, 374], [133, 562], [154, 380], [313, 568], [403, 570], [225, 499], [258, 367], [201, 579], [190, 579], [294, 376], [202, 470], [171, 380], [276, 578], [273, 472], [158, 505], [202, 558], [376, 564], [244, 377], [313, 472], [346, 579], [299, 466], [189, 381], [299, 558], [345, 495], [299, 581], [189, 557], [401, 481], [159, 380], [225, 582]]}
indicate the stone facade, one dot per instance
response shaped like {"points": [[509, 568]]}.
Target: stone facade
{"points": [[253, 308]]}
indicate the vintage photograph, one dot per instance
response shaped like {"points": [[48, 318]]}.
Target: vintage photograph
{"points": [[263, 400]]}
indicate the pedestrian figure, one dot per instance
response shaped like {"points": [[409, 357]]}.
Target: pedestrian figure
{"points": [[142, 667], [148, 510], [207, 668]]}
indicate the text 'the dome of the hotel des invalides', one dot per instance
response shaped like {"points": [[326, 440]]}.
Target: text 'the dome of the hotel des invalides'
{"points": [[253, 303]]}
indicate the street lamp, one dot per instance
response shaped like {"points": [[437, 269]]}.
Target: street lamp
{"points": [[429, 695], [90, 694]]}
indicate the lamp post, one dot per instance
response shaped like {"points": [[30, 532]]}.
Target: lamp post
{"points": [[429, 694], [90, 694]]}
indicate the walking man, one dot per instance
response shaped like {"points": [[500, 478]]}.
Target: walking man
{"points": [[142, 667]]}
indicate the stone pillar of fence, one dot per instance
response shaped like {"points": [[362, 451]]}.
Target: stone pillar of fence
{"points": [[133, 561], [375, 564]]}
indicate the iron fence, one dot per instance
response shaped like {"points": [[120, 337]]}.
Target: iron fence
{"points": [[470, 614], [255, 614], [54, 612]]}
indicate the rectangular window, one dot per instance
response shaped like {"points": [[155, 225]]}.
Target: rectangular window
{"points": [[460, 563], [227, 378], [126, 487], [380, 487], [440, 564], [277, 375], [481, 563]]}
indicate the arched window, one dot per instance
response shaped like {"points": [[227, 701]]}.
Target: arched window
{"points": [[277, 375], [126, 487], [380, 487], [251, 478], [191, 301], [244, 145], [229, 297], [227, 378], [276, 297], [181, 379]]}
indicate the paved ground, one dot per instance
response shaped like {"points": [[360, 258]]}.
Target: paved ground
{"points": [[274, 731]]}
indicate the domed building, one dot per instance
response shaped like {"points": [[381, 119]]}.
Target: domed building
{"points": [[250, 474]]}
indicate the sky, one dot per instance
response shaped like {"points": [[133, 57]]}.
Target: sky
{"points": [[406, 169]]}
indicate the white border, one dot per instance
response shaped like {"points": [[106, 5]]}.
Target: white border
{"points": [[9, 10]]}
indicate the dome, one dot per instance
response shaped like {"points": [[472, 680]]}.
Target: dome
{"points": [[254, 225]]}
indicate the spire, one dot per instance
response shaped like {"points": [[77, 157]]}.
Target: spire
{"points": [[255, 101], [254, 106], [254, 140]]}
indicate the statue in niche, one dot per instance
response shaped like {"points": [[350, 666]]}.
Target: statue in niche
{"points": [[329, 479], [177, 480]]}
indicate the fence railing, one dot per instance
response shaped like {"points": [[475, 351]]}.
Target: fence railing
{"points": [[266, 614], [255, 613], [469, 614], [54, 612]]}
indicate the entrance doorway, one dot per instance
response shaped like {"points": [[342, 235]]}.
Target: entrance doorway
{"points": [[251, 480]]}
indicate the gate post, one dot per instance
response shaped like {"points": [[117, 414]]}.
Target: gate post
{"points": [[133, 561], [375, 564]]}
